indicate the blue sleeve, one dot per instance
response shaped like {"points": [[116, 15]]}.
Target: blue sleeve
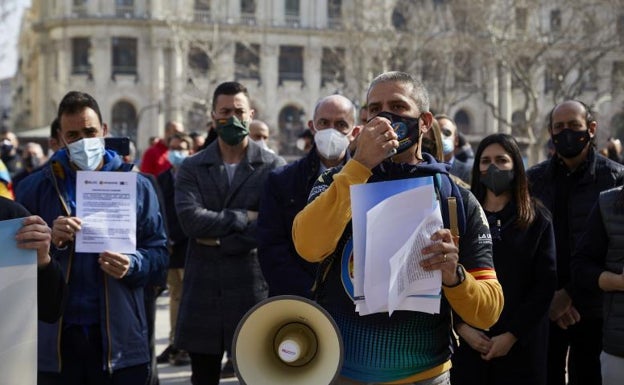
{"points": [[151, 257]]}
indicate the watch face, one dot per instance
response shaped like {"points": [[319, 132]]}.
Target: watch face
{"points": [[461, 273]]}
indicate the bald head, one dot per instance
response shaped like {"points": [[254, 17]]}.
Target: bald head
{"points": [[575, 107], [258, 130], [172, 128], [336, 102]]}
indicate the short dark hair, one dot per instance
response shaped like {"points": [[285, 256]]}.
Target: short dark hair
{"points": [[55, 127], [228, 88], [76, 101]]}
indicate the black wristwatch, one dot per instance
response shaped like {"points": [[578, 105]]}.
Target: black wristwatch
{"points": [[461, 274]]}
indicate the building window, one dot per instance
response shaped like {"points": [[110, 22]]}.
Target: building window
{"points": [[292, 13], [521, 19], [399, 15], [290, 63], [248, 11], [620, 28], [201, 11], [124, 121], [463, 67], [617, 76], [198, 61], [334, 13], [520, 72], [291, 122], [80, 55], [124, 55], [79, 7], [332, 66], [555, 20], [247, 61], [124, 8], [553, 76], [519, 123], [460, 17], [462, 121], [590, 79]]}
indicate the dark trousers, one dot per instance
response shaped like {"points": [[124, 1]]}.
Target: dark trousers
{"points": [[585, 342], [151, 293], [81, 352], [205, 368]]}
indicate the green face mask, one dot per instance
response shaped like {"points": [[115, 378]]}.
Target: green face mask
{"points": [[232, 131]]}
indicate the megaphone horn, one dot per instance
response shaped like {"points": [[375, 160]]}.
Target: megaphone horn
{"points": [[287, 340]]}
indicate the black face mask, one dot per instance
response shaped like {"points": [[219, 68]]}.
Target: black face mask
{"points": [[407, 129], [570, 143], [31, 162], [5, 149], [497, 181]]}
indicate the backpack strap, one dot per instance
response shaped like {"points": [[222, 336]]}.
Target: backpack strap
{"points": [[451, 205], [454, 227]]}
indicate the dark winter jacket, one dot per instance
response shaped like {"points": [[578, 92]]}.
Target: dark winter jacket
{"points": [[121, 305]]}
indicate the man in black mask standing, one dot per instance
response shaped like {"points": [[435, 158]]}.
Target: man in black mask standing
{"points": [[569, 184]]}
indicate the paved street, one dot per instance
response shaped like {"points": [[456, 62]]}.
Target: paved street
{"points": [[170, 375]]}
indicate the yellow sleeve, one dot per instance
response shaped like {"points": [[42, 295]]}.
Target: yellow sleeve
{"points": [[478, 301], [318, 227], [4, 191]]}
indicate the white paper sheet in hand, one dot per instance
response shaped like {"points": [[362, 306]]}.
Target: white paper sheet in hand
{"points": [[106, 203], [407, 277], [389, 225]]}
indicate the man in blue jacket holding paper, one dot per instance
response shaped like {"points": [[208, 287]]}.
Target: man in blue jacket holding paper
{"points": [[102, 336]]}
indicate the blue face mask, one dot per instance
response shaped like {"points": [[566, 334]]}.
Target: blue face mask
{"points": [[87, 153], [176, 157], [448, 146]]}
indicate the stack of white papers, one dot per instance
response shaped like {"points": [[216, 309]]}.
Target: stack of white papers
{"points": [[392, 222]]}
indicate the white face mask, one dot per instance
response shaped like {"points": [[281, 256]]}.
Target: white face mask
{"points": [[87, 153], [262, 143], [331, 143]]}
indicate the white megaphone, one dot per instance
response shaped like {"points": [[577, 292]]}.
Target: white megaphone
{"points": [[287, 340]]}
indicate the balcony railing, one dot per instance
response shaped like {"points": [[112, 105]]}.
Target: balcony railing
{"points": [[292, 20], [202, 16], [248, 18], [126, 11], [334, 23], [79, 10]]}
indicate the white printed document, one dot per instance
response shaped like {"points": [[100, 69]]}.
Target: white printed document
{"points": [[106, 204], [388, 233], [18, 301]]}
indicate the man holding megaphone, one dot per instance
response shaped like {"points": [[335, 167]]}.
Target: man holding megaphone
{"points": [[408, 347]]}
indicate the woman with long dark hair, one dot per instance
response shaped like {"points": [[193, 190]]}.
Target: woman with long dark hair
{"points": [[514, 350]]}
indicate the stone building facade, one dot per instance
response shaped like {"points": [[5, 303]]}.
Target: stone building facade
{"points": [[150, 61]]}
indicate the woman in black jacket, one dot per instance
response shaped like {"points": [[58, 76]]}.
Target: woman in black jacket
{"points": [[514, 350]]}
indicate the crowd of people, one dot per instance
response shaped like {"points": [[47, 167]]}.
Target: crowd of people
{"points": [[531, 262]]}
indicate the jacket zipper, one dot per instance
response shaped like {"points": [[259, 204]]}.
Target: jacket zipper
{"points": [[108, 329]]}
